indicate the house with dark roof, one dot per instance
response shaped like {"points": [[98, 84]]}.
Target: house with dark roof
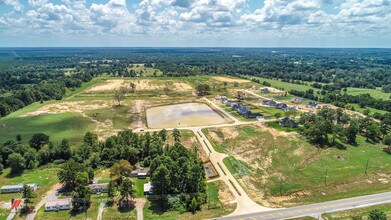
{"points": [[140, 173], [297, 100], [281, 106], [265, 90], [242, 109], [289, 108], [312, 104], [98, 188], [269, 102], [250, 114], [286, 122]]}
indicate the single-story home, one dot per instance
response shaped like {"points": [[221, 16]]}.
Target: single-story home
{"points": [[98, 188], [148, 189], [312, 104], [241, 109], [289, 108], [16, 188], [269, 102], [265, 90], [297, 100], [281, 105], [58, 204], [292, 123], [140, 173], [250, 114]]}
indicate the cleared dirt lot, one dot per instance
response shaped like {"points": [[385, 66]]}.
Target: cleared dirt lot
{"points": [[230, 80], [286, 170], [114, 84]]}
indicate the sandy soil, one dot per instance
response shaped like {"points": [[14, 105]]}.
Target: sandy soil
{"points": [[64, 107], [230, 80], [114, 84]]}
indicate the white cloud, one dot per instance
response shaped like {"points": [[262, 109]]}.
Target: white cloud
{"points": [[15, 4]]}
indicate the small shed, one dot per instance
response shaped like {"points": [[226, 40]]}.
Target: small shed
{"points": [[148, 189]]}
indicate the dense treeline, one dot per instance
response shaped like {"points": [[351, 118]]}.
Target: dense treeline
{"points": [[177, 173], [327, 126]]}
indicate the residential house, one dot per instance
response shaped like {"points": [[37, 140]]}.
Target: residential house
{"points": [[98, 188], [242, 109], [265, 90], [16, 188], [312, 104], [286, 122], [58, 204], [269, 102], [140, 173], [297, 100], [281, 106], [250, 114], [289, 108], [148, 188]]}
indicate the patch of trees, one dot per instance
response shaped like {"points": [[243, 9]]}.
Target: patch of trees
{"points": [[332, 127]]}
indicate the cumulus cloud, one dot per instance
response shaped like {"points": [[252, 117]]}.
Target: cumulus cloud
{"points": [[189, 17]]}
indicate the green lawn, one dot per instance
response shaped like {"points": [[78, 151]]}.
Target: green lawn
{"points": [[92, 212], [113, 213], [276, 125], [44, 177], [363, 212], [118, 115], [139, 186], [287, 164], [287, 86], [236, 167], [4, 213], [372, 110], [375, 93], [71, 126]]}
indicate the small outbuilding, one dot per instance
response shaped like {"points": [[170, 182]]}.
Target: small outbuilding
{"points": [[312, 104], [297, 100], [58, 204], [148, 189]]}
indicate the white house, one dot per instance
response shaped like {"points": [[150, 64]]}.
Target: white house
{"points": [[16, 188], [148, 188], [58, 204]]}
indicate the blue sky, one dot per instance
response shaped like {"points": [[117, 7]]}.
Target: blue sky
{"points": [[165, 23]]}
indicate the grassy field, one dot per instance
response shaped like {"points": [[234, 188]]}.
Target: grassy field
{"points": [[236, 167], [139, 186], [287, 86], [44, 177], [145, 71], [363, 212], [286, 170], [372, 110], [375, 93], [58, 126], [276, 125], [113, 213]]}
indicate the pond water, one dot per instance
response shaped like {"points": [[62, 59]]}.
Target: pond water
{"points": [[182, 115]]}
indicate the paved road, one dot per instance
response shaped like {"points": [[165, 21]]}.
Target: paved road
{"points": [[244, 203], [49, 196], [316, 209]]}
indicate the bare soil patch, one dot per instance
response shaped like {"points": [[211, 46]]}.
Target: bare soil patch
{"points": [[65, 107], [230, 80], [115, 84]]}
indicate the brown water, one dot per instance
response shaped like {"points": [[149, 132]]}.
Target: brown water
{"points": [[182, 115]]}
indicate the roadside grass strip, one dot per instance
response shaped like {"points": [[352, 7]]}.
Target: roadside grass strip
{"points": [[237, 168]]}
